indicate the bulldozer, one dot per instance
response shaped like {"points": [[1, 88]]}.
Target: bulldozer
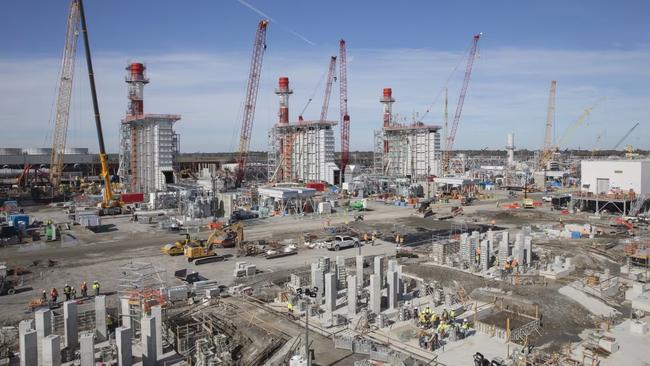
{"points": [[178, 247]]}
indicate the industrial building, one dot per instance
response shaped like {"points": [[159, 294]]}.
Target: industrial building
{"points": [[406, 150], [301, 151], [148, 142], [601, 176]]}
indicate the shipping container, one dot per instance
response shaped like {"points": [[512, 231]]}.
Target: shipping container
{"points": [[136, 197]]}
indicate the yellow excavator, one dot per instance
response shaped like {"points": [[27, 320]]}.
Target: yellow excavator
{"points": [[229, 236], [201, 252], [178, 247]]}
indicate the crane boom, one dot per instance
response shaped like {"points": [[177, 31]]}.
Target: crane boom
{"points": [[547, 152], [345, 117], [451, 137], [64, 94], [625, 136], [108, 191], [259, 45], [328, 88]]}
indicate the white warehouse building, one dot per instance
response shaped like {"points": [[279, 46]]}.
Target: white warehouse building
{"points": [[603, 176]]}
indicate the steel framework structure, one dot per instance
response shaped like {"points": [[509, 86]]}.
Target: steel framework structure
{"points": [[64, 94], [259, 45]]}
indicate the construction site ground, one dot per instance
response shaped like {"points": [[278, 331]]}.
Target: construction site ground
{"points": [[83, 255]]}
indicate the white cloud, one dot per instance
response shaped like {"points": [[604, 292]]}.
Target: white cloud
{"points": [[508, 93]]}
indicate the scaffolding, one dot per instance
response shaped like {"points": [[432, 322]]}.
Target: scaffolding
{"points": [[306, 151], [142, 285]]}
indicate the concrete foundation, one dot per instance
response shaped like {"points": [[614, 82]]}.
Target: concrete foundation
{"points": [[43, 320], [148, 340], [87, 348], [352, 295], [70, 320], [101, 332], [52, 350], [375, 294], [123, 338], [28, 347]]}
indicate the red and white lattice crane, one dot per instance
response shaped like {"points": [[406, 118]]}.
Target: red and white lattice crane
{"points": [[345, 117], [451, 136], [259, 45]]}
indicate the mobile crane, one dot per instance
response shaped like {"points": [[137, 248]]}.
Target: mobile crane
{"points": [[109, 205]]}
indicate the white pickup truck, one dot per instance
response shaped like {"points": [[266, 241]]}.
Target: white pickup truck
{"points": [[342, 241]]}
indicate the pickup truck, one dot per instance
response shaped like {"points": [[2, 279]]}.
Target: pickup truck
{"points": [[340, 242]]}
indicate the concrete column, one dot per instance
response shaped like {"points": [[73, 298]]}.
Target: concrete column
{"points": [[375, 294], [123, 336], [28, 347], [393, 289], [392, 265], [352, 295], [528, 245], [148, 340], [52, 350], [379, 262], [519, 249], [330, 292], [156, 312], [359, 273], [126, 313], [100, 318], [503, 249], [25, 325], [70, 320], [485, 255], [318, 280], [87, 345], [43, 319]]}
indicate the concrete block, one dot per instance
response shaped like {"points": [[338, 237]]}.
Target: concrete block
{"points": [[609, 344], [156, 312], [352, 295], [43, 322], [28, 347], [52, 350], [375, 294], [87, 348], [101, 331], [638, 327], [330, 292], [123, 338], [126, 313], [148, 340], [359, 274], [70, 320]]}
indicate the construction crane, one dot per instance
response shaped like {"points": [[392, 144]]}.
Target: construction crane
{"points": [[566, 136], [328, 88], [550, 121], [64, 94], [109, 204], [259, 45], [625, 136], [451, 136], [345, 117]]}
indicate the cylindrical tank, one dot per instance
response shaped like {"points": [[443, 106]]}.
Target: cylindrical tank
{"points": [[76, 151], [283, 84], [137, 70], [388, 92], [10, 151]]}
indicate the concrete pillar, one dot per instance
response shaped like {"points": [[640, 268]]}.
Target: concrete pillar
{"points": [[379, 263], [52, 350], [317, 280], [330, 293], [43, 318], [352, 295], [25, 325], [70, 320], [28, 347], [100, 318], [393, 289], [503, 249], [359, 273], [148, 340], [466, 249], [126, 313], [123, 336], [87, 348], [156, 312], [341, 272], [485, 255], [528, 245], [375, 294], [519, 249]]}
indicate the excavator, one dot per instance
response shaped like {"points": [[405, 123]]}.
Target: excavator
{"points": [[229, 236]]}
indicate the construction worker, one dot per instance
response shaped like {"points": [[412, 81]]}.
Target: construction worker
{"points": [[67, 291], [445, 315], [84, 289], [452, 314], [465, 328], [73, 293], [54, 294], [96, 287], [435, 320], [290, 309], [374, 237], [110, 324]]}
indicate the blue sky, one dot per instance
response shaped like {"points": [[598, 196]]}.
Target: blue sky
{"points": [[197, 53]]}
